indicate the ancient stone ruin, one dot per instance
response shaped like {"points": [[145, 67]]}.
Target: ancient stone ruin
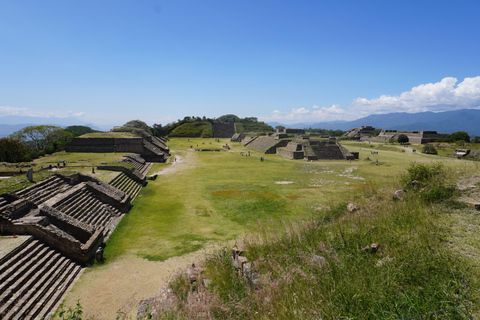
{"points": [[151, 148], [359, 133], [223, 130], [302, 147], [299, 147], [65, 220], [419, 137]]}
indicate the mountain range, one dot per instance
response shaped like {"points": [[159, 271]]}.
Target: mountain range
{"points": [[443, 122], [10, 124]]}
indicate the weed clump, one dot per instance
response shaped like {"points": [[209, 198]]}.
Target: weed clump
{"points": [[432, 181]]}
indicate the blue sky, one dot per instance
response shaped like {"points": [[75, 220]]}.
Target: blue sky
{"points": [[107, 62]]}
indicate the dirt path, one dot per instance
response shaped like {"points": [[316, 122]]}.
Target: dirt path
{"points": [[120, 284], [180, 161]]}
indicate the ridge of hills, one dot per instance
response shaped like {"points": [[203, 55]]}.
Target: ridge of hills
{"points": [[10, 124], [443, 122]]}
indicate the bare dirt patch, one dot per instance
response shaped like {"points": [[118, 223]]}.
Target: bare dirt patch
{"points": [[106, 290]]}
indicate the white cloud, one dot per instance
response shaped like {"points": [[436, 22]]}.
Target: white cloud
{"points": [[12, 111], [303, 114], [445, 95], [437, 97]]}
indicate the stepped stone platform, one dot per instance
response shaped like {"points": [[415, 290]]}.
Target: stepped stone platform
{"points": [[419, 137], [238, 137], [359, 133], [315, 149], [33, 280], [66, 219], [150, 147], [266, 144], [223, 130], [126, 184]]}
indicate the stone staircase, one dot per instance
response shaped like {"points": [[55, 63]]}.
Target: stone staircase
{"points": [[33, 280], [223, 130], [127, 185], [328, 151], [83, 206], [44, 190], [141, 166]]}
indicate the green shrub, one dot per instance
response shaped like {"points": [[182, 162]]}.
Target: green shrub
{"points": [[430, 149], [433, 181]]}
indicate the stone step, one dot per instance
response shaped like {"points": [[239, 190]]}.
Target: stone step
{"points": [[67, 201], [22, 306], [81, 208], [102, 218], [73, 207], [18, 252], [36, 186], [50, 299], [21, 275], [115, 180], [33, 277], [9, 268], [92, 214]]}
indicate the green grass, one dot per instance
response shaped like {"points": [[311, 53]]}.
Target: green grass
{"points": [[76, 162], [220, 196], [318, 267]]}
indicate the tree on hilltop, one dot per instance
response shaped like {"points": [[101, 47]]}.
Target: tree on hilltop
{"points": [[41, 137], [138, 124], [79, 130]]}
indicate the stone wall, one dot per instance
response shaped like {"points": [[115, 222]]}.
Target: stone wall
{"points": [[418, 137], [223, 130], [150, 147], [292, 155]]}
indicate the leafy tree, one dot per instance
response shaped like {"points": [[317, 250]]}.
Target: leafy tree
{"points": [[403, 138], [12, 150], [41, 137], [459, 135], [137, 124], [476, 139]]}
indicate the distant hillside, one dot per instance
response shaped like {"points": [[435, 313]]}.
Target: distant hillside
{"points": [[193, 129], [10, 124], [443, 122]]}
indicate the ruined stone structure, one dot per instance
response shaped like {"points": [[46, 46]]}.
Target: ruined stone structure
{"points": [[299, 147], [359, 133], [238, 137], [265, 144], [419, 137], [315, 149], [151, 148], [223, 130], [67, 219], [291, 131]]}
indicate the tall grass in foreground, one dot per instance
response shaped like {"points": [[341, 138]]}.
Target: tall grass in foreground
{"points": [[323, 267]]}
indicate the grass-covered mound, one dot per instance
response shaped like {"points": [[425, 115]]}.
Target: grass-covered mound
{"points": [[193, 129], [385, 260]]}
